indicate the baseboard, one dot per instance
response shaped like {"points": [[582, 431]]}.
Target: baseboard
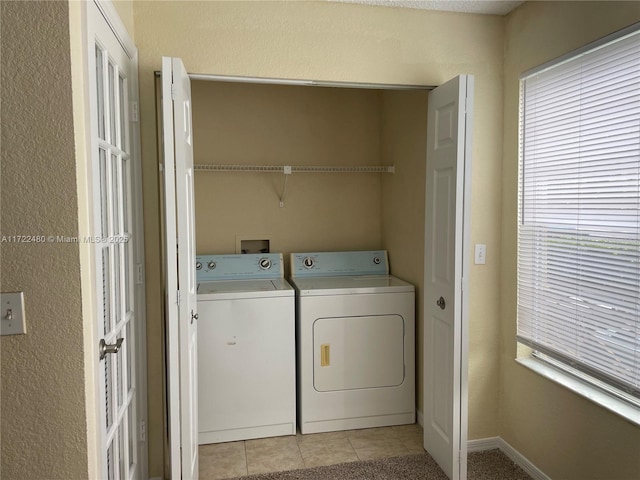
{"points": [[522, 461], [483, 444], [492, 443]]}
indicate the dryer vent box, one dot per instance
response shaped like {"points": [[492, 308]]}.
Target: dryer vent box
{"points": [[253, 244]]}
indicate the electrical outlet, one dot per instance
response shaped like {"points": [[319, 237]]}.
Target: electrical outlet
{"points": [[12, 321]]}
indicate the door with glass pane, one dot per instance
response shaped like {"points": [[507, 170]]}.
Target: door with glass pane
{"points": [[111, 70]]}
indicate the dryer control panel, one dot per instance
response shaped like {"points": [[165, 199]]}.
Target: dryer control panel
{"points": [[333, 264], [210, 268]]}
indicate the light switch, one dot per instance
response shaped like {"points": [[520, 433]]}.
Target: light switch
{"points": [[481, 254], [12, 321]]}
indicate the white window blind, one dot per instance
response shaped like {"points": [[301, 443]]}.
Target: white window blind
{"points": [[579, 212]]}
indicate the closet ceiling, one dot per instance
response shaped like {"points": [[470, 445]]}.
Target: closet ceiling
{"points": [[488, 7]]}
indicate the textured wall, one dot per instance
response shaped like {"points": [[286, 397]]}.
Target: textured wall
{"points": [[330, 41], [565, 435], [286, 125], [43, 430]]}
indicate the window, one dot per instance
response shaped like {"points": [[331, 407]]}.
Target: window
{"points": [[579, 214]]}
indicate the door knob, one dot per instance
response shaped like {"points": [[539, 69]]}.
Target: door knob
{"points": [[106, 348], [194, 316], [441, 303]]}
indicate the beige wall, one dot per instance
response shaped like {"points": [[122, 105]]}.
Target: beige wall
{"points": [[563, 434], [403, 138], [340, 42], [43, 424], [124, 8], [286, 125]]}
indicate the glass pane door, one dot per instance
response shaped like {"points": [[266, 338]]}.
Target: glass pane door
{"points": [[113, 243]]}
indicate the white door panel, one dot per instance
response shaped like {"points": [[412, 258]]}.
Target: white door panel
{"points": [[446, 238], [180, 283], [186, 269], [441, 397], [443, 188]]}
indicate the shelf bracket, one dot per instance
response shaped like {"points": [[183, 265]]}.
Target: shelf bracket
{"points": [[287, 171]]}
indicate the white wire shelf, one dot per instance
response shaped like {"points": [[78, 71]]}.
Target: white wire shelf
{"points": [[294, 168]]}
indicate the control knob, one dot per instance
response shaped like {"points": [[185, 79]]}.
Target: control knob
{"points": [[265, 263], [198, 265], [308, 262], [211, 265]]}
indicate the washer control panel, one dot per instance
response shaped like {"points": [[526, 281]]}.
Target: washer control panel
{"points": [[238, 267], [329, 264]]}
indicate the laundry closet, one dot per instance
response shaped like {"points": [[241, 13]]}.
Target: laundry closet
{"points": [[373, 141], [294, 167], [292, 125]]}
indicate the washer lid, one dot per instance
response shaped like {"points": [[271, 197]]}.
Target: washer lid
{"points": [[243, 289], [350, 285]]}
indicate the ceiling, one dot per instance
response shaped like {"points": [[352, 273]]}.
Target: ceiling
{"points": [[487, 7]]}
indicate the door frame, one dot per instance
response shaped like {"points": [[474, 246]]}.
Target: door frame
{"points": [[466, 239], [85, 127]]}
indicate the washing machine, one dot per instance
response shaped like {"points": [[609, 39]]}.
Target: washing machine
{"points": [[355, 330], [246, 348]]}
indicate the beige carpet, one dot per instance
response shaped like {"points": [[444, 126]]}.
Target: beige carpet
{"points": [[488, 465]]}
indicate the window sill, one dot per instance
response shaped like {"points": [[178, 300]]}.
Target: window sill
{"points": [[597, 396]]}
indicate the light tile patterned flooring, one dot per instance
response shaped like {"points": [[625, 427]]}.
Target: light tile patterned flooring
{"points": [[235, 459]]}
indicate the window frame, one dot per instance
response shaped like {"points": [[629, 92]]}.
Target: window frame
{"points": [[593, 387]]}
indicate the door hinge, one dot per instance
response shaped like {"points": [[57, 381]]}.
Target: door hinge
{"points": [[178, 297], [134, 111], [139, 274], [143, 431], [173, 91]]}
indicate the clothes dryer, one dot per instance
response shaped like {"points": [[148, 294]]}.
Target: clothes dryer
{"points": [[355, 328], [246, 348]]}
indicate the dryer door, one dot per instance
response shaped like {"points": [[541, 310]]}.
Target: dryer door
{"points": [[358, 352]]}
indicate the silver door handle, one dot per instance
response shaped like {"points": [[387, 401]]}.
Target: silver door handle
{"points": [[441, 303], [194, 316], [106, 348]]}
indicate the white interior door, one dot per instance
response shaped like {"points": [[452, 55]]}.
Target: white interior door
{"points": [[181, 306], [116, 240], [446, 249]]}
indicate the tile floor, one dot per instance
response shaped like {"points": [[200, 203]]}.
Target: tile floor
{"points": [[234, 459]]}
